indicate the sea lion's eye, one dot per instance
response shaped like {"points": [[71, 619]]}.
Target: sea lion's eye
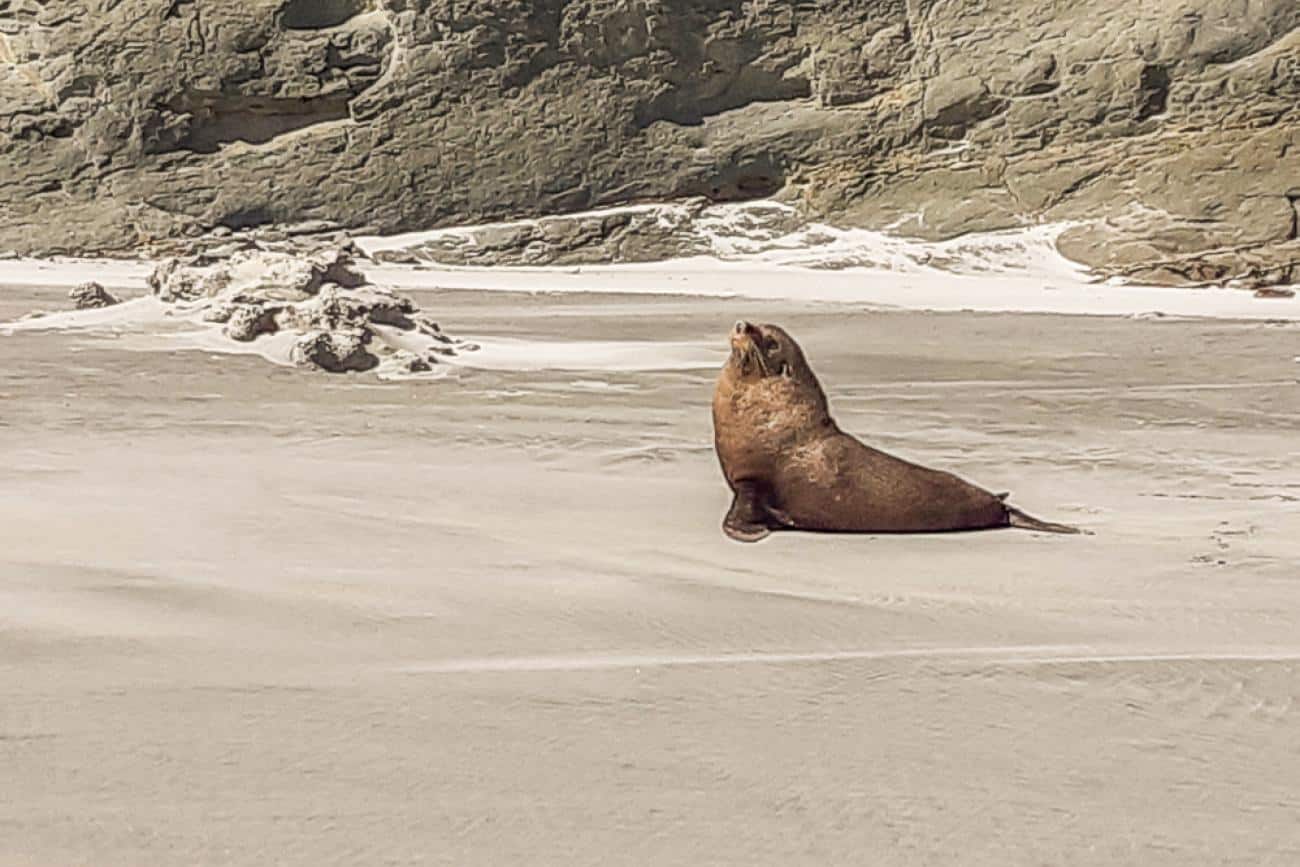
{"points": [[773, 347]]}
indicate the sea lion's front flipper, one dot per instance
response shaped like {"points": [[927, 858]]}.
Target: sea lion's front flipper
{"points": [[749, 518]]}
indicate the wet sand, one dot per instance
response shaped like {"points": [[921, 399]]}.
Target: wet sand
{"points": [[250, 615]]}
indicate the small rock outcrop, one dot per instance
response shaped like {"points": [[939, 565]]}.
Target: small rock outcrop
{"points": [[90, 296], [335, 351], [646, 233], [315, 298]]}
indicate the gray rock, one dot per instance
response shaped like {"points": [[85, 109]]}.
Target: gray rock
{"points": [[188, 279], [89, 296], [342, 324], [250, 321], [335, 351], [409, 362], [411, 114]]}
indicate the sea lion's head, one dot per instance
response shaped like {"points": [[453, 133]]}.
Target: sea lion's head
{"points": [[767, 360], [760, 351]]}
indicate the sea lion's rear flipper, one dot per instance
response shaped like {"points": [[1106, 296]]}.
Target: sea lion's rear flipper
{"points": [[1017, 518], [749, 518]]}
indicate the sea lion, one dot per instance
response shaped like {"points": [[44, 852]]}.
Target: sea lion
{"points": [[792, 468]]}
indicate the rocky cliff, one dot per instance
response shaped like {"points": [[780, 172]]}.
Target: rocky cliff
{"points": [[1171, 130]]}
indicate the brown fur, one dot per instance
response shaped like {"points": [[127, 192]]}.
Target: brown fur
{"points": [[791, 467]]}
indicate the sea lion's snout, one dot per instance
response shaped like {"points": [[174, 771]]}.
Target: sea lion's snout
{"points": [[742, 333]]}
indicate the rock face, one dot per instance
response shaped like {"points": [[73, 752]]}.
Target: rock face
{"points": [[335, 321], [1173, 127]]}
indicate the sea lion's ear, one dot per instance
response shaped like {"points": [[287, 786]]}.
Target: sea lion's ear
{"points": [[786, 370]]}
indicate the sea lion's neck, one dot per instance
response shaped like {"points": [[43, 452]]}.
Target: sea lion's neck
{"points": [[775, 410], [758, 419]]}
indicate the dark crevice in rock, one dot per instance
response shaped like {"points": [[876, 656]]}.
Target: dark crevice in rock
{"points": [[1041, 87], [37, 129], [216, 120], [320, 14], [173, 9], [80, 85], [751, 178], [247, 218], [679, 106], [1153, 85]]}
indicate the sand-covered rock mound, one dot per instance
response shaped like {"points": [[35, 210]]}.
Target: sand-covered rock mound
{"points": [[319, 307], [92, 296]]}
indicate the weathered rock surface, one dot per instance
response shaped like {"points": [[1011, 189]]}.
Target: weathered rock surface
{"points": [[254, 270], [91, 296], [338, 322], [335, 351], [1174, 126], [646, 233]]}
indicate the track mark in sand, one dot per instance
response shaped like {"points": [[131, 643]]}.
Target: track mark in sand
{"points": [[1051, 387], [1028, 654]]}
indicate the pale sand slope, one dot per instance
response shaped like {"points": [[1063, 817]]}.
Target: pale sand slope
{"points": [[254, 616]]}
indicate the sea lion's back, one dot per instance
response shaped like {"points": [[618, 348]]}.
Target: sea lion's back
{"points": [[838, 483]]}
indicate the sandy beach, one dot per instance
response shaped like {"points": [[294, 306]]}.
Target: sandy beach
{"points": [[359, 499], [251, 615]]}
